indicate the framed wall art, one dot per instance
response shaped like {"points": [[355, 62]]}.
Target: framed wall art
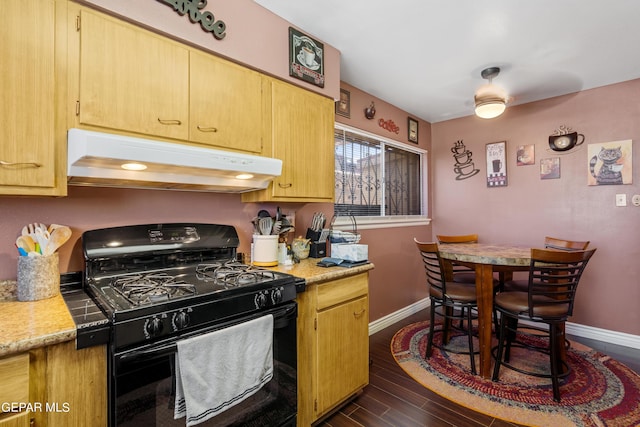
{"points": [[306, 58], [609, 163], [550, 168], [497, 164], [526, 155], [412, 125], [343, 106]]}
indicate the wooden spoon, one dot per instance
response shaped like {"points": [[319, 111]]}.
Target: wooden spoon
{"points": [[26, 243], [59, 237]]}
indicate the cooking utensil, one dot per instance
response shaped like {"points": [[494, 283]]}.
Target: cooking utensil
{"points": [[58, 237], [277, 225], [26, 243], [41, 238], [263, 214], [266, 224]]}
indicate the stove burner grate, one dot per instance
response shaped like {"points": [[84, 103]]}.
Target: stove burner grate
{"points": [[150, 288], [232, 274]]}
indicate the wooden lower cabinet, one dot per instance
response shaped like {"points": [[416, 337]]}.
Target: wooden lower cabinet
{"points": [[333, 345], [61, 385], [22, 419], [14, 389]]}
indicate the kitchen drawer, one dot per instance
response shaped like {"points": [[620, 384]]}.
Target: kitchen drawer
{"points": [[341, 290], [14, 378]]}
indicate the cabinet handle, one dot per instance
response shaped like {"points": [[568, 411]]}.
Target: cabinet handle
{"points": [[357, 315], [34, 164], [285, 185], [207, 129], [169, 122]]}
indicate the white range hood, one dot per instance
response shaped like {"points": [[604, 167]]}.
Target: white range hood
{"points": [[96, 159]]}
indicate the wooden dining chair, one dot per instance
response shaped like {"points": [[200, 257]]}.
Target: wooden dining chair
{"points": [[520, 285], [461, 273], [449, 300], [552, 284]]}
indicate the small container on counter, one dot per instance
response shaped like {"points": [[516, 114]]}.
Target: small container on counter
{"points": [[38, 277]]}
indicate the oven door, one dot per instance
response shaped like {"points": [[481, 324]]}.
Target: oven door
{"points": [[142, 386]]}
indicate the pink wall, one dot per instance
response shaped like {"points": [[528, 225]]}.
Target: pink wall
{"points": [[529, 208], [398, 279], [90, 208], [255, 37]]}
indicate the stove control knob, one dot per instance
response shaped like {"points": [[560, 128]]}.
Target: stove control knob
{"points": [[261, 300], [276, 295], [180, 320], [153, 327]]}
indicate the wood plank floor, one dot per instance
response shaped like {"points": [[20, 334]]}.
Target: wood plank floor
{"points": [[393, 398]]}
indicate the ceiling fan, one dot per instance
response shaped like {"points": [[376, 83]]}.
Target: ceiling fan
{"points": [[490, 100]]}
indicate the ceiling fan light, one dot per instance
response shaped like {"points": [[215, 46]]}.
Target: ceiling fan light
{"points": [[489, 107]]}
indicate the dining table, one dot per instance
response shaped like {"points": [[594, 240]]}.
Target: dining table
{"points": [[486, 260]]}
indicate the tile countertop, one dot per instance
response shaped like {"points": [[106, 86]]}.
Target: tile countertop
{"points": [[313, 274], [25, 325]]}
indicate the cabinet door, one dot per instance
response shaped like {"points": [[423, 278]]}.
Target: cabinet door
{"points": [[343, 352], [303, 138], [27, 67], [22, 419], [225, 104], [132, 79], [14, 387]]}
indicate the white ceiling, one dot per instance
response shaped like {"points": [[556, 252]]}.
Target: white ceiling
{"points": [[425, 56]]}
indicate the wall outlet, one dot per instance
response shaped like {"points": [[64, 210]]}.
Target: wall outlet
{"points": [[621, 200], [635, 200]]}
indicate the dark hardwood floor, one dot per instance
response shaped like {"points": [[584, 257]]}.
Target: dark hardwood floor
{"points": [[393, 398]]}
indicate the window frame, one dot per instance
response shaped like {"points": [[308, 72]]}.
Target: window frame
{"points": [[372, 222]]}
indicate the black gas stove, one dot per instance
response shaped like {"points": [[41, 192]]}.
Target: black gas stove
{"points": [[159, 280], [163, 285]]}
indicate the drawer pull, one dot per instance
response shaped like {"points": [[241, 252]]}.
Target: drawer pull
{"points": [[207, 129], [169, 122], [358, 315], [285, 185], [34, 164]]}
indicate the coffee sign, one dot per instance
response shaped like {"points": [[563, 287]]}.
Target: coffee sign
{"points": [[206, 19], [306, 58]]}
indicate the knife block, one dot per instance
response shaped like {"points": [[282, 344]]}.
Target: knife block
{"points": [[318, 250]]}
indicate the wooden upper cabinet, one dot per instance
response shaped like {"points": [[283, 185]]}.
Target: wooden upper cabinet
{"points": [[302, 137], [132, 79], [28, 154], [226, 108]]}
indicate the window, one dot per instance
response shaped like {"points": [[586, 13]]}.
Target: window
{"points": [[379, 181]]}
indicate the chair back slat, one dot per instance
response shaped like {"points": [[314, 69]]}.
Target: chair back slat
{"points": [[553, 279], [432, 265], [466, 238], [565, 245]]}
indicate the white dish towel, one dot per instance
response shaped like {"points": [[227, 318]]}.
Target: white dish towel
{"points": [[220, 369]]}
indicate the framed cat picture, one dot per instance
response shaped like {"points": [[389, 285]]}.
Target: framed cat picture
{"points": [[610, 163]]}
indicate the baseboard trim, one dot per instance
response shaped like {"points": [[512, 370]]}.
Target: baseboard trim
{"points": [[396, 316], [604, 335], [598, 334]]}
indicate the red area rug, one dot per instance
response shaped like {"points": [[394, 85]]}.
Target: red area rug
{"points": [[598, 392]]}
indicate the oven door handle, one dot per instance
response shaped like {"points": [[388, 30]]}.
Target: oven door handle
{"points": [[281, 317]]}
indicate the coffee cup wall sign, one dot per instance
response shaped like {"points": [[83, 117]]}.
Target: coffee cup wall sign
{"points": [[497, 164], [464, 167], [306, 58], [563, 139]]}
